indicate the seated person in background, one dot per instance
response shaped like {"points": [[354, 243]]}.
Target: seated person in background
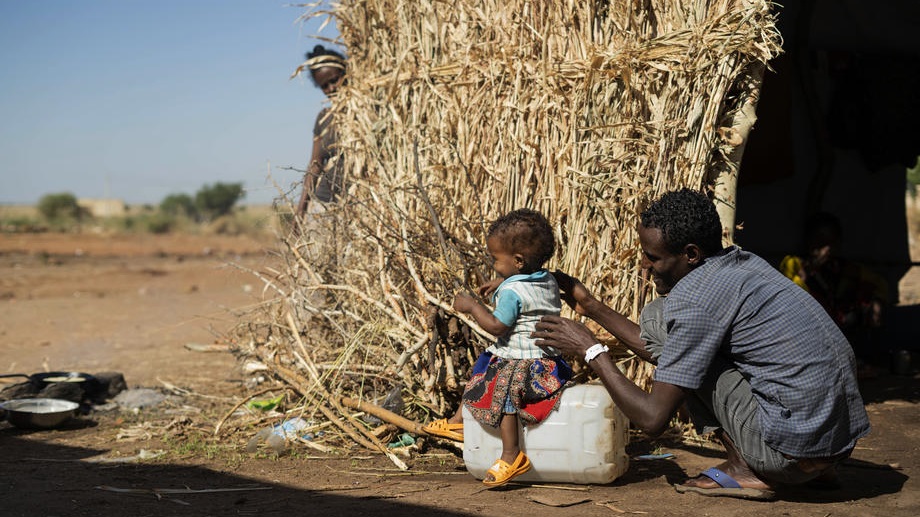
{"points": [[852, 294]]}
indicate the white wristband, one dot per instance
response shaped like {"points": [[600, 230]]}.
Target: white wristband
{"points": [[594, 351]]}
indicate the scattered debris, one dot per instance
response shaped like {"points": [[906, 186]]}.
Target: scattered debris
{"points": [[142, 455], [160, 493], [609, 505], [276, 437], [559, 500], [142, 431], [212, 347], [265, 404], [139, 398]]}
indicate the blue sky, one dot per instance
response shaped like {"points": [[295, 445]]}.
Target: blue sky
{"points": [[139, 99]]}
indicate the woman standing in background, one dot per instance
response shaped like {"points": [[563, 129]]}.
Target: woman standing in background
{"points": [[323, 180]]}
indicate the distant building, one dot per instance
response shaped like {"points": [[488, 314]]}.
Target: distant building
{"points": [[103, 207]]}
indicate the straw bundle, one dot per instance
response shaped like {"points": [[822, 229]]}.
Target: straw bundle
{"points": [[457, 112]]}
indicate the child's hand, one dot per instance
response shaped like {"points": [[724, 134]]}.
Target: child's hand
{"points": [[464, 302], [467, 304], [489, 287]]}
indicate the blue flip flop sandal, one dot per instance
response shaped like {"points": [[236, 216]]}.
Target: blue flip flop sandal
{"points": [[728, 487]]}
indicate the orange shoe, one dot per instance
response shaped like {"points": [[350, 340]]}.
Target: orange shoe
{"points": [[444, 429], [502, 472]]}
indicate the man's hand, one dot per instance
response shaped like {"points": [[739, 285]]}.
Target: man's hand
{"points": [[573, 292], [568, 336]]}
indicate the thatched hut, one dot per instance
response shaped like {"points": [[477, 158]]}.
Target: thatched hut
{"points": [[455, 113]]}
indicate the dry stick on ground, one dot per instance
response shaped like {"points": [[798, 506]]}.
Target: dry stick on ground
{"points": [[300, 384], [387, 416], [365, 438]]}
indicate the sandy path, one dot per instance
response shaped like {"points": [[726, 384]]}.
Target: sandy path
{"points": [[126, 304]]}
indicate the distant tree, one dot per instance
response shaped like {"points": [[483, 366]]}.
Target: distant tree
{"points": [[213, 201], [159, 223], [179, 205], [60, 206]]}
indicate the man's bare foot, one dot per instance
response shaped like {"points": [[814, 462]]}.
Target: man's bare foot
{"points": [[732, 478], [734, 466], [715, 482], [740, 473]]}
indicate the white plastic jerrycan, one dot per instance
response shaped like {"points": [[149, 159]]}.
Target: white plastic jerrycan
{"points": [[583, 441]]}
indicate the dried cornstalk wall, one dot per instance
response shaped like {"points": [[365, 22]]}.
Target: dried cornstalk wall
{"points": [[458, 111]]}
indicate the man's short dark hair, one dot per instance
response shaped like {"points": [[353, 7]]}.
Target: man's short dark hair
{"points": [[685, 217], [527, 232]]}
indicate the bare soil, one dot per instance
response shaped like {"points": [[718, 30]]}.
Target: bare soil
{"points": [[133, 305]]}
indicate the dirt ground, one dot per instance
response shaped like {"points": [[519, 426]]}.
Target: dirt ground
{"points": [[136, 305]]}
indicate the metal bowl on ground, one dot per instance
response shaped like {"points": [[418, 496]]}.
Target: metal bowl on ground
{"points": [[39, 413]]}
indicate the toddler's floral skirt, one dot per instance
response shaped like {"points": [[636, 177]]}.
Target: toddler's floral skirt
{"points": [[531, 386]]}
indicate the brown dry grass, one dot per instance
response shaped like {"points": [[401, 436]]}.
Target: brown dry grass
{"points": [[457, 112]]}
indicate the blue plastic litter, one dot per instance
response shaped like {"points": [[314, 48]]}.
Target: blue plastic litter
{"points": [[403, 440]]}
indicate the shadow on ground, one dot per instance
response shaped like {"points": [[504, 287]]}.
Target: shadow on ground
{"points": [[43, 479], [890, 387], [859, 479]]}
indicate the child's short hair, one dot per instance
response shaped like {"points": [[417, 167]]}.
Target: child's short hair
{"points": [[527, 232]]}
